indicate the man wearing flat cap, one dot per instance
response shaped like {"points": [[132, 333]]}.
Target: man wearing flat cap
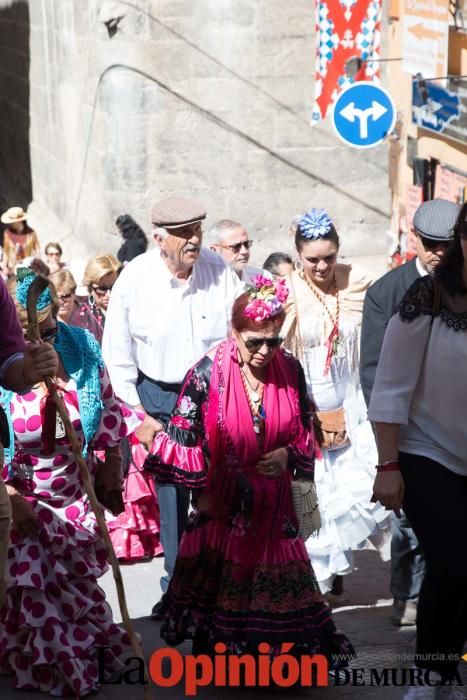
{"points": [[168, 308], [433, 224]]}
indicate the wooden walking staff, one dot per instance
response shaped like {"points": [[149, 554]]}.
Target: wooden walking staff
{"points": [[38, 285]]}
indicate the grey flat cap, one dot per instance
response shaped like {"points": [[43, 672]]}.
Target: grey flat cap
{"points": [[175, 212], [436, 218]]}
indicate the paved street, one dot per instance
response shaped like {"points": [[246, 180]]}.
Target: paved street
{"points": [[364, 618]]}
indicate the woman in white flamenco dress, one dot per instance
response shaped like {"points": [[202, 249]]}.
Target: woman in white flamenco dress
{"points": [[322, 329]]}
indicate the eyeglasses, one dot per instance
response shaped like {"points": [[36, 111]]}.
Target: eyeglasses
{"points": [[65, 297], [236, 247], [252, 344], [102, 289], [55, 253], [430, 244], [49, 334]]}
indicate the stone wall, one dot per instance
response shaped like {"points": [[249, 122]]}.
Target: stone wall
{"points": [[211, 98]]}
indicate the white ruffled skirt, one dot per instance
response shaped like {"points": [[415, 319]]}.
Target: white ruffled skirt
{"points": [[344, 483]]}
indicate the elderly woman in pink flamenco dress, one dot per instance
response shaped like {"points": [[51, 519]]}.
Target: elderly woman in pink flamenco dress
{"points": [[239, 434]]}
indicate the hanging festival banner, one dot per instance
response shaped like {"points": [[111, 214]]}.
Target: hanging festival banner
{"points": [[345, 29]]}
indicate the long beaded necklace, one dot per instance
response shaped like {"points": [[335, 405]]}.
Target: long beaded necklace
{"points": [[255, 401], [333, 342]]}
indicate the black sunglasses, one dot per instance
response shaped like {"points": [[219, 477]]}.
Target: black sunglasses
{"points": [[257, 343], [49, 334], [236, 247], [65, 297], [102, 288], [430, 244]]}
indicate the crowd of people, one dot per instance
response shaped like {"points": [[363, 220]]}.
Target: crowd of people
{"points": [[203, 392]]}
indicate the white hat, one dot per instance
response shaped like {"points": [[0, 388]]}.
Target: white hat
{"points": [[13, 215]]}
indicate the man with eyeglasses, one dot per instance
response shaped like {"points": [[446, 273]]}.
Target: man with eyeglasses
{"points": [[21, 366], [230, 240], [168, 307], [433, 225]]}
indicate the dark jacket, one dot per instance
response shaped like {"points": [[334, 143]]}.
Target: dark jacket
{"points": [[130, 249], [380, 303]]}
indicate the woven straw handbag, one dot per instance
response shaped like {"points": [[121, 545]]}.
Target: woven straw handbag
{"points": [[305, 502]]}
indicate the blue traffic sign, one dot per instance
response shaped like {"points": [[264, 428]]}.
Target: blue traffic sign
{"points": [[433, 107], [364, 114]]}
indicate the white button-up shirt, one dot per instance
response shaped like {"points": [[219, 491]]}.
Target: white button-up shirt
{"points": [[160, 325], [420, 269]]}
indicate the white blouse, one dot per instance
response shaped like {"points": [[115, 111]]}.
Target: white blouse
{"points": [[421, 384]]}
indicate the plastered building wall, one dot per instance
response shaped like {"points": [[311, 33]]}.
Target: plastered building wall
{"points": [[124, 102]]}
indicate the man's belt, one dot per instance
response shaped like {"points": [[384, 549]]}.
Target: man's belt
{"points": [[174, 388]]}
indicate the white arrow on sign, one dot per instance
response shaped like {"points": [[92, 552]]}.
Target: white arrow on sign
{"points": [[434, 106], [350, 112]]}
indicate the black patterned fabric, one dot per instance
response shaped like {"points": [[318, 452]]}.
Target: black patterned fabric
{"points": [[420, 299]]}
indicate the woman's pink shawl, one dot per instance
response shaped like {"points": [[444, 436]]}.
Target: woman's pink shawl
{"points": [[233, 445]]}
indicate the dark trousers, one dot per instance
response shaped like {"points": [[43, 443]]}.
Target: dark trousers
{"points": [[158, 400], [436, 504]]}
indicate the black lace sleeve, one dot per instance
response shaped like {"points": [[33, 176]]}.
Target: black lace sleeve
{"points": [[186, 422], [306, 405], [418, 300]]}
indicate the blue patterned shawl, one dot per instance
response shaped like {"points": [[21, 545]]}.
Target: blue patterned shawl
{"points": [[82, 359]]}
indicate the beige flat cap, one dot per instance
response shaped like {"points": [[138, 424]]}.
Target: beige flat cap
{"points": [[175, 212]]}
